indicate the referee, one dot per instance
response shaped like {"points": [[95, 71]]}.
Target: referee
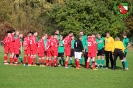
{"points": [[118, 50]]}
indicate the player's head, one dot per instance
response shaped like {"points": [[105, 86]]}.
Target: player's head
{"points": [[70, 33], [98, 36], [35, 33], [93, 35], [124, 34], [117, 39], [81, 33], [55, 36], [8, 33], [17, 33], [73, 37], [57, 32], [80, 37], [46, 35], [20, 35], [30, 33], [107, 34], [61, 37], [89, 35], [13, 31], [52, 35]]}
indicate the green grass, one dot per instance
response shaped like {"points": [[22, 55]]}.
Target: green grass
{"points": [[50, 77]]}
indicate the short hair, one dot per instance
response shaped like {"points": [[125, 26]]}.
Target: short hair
{"points": [[80, 31], [124, 33], [12, 30], [89, 34], [34, 32], [9, 31], [98, 34], [79, 36], [70, 32], [117, 39]]}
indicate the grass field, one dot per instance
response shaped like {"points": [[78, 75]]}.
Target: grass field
{"points": [[59, 77]]}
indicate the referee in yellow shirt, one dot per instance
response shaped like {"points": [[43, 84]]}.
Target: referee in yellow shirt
{"points": [[109, 41], [118, 50]]}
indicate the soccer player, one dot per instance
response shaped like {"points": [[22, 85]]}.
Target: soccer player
{"points": [[92, 49], [118, 50], [27, 49], [100, 54], [108, 47], [6, 41], [72, 49], [33, 47], [78, 48], [57, 32], [67, 44], [126, 45], [61, 51], [84, 38], [11, 46], [41, 50], [86, 51], [17, 45], [54, 49], [48, 51]]}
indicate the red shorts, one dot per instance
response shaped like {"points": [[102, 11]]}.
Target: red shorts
{"points": [[48, 53], [11, 49], [92, 54], [54, 52], [68, 51], [33, 52], [27, 51], [16, 51], [41, 54], [6, 49]]}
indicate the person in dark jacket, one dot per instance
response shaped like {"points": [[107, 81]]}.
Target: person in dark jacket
{"points": [[78, 48]]}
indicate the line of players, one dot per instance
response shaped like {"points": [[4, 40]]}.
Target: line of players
{"points": [[54, 48]]}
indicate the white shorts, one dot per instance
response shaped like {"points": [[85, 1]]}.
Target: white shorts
{"points": [[77, 55]]}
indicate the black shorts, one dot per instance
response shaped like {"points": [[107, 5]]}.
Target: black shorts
{"points": [[118, 53], [60, 54], [100, 52], [72, 53]]}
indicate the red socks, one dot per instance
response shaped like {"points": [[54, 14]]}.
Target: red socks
{"points": [[55, 62], [43, 61], [24, 62], [87, 64], [46, 62], [29, 60], [77, 63], [5, 59], [11, 60], [93, 65], [66, 63]]}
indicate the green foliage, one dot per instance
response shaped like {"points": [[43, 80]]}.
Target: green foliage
{"points": [[87, 15]]}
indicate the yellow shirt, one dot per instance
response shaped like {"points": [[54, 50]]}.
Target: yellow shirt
{"points": [[118, 45], [109, 43]]}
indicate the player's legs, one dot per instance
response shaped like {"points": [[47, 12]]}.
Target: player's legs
{"points": [[72, 54], [67, 53], [125, 61], [11, 58], [98, 61], [111, 59], [116, 54], [6, 49], [88, 62], [93, 63], [107, 59]]}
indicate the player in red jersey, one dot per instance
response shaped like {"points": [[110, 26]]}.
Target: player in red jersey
{"points": [[17, 45], [11, 46], [48, 51], [26, 45], [67, 44], [6, 46], [33, 47], [54, 48], [92, 49]]}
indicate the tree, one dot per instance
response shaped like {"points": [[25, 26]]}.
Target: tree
{"points": [[87, 15]]}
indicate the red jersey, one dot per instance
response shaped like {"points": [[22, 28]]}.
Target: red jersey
{"points": [[92, 46], [33, 43], [48, 45], [11, 43], [41, 47], [26, 42], [54, 44], [6, 41], [67, 41]]}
